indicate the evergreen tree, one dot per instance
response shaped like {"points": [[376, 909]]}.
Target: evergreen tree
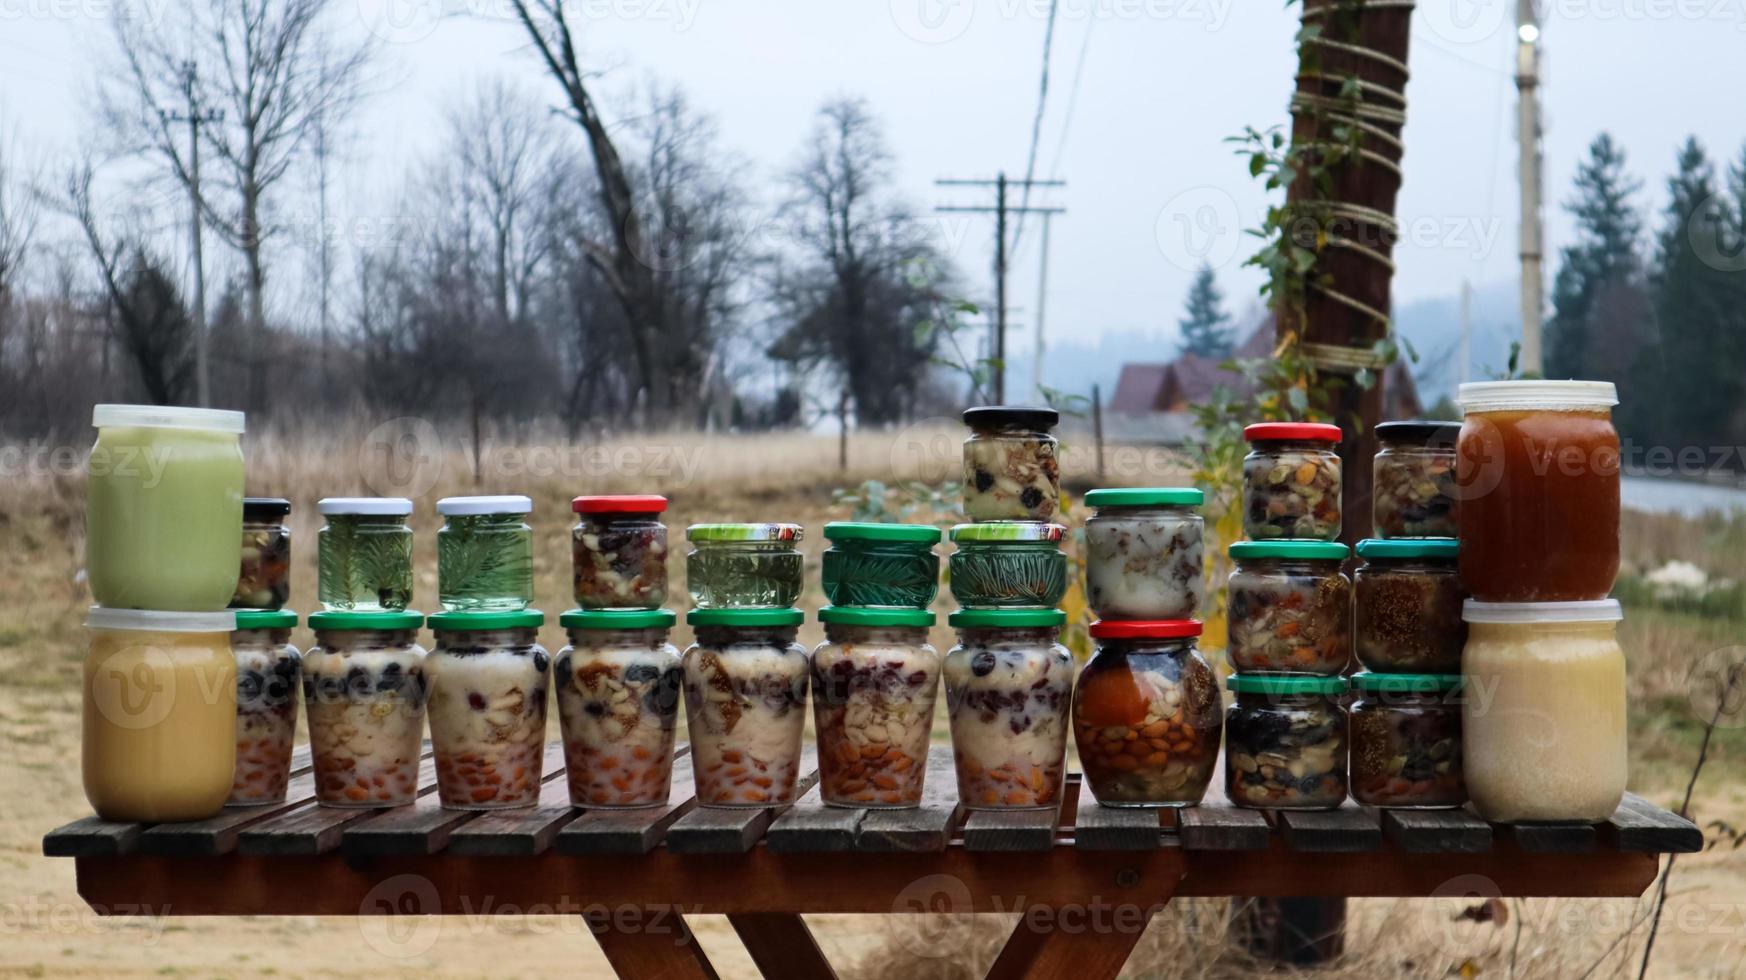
{"points": [[1602, 261], [1206, 327]]}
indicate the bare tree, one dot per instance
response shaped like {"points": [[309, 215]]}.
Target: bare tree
{"points": [[500, 141], [18, 218]]}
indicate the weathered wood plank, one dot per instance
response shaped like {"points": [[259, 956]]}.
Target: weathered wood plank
{"points": [[635, 831], [1551, 838], [315, 829], [1105, 828], [1017, 830], [525, 831], [721, 830], [927, 827], [662, 947], [91, 837], [1436, 831], [1046, 950], [1639, 825], [781, 946], [218, 835], [812, 825], [1348, 829]]}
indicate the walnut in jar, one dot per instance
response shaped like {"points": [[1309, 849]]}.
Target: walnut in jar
{"points": [[1010, 468]]}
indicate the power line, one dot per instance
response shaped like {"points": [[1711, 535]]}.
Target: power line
{"points": [[1072, 98], [195, 117], [1037, 121]]}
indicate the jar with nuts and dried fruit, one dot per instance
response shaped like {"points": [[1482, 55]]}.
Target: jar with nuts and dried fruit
{"points": [[1414, 495], [619, 551], [885, 565], [364, 689], [745, 705], [1009, 685], [264, 578], [1291, 481], [874, 682], [1406, 741], [1010, 468], [268, 671], [1407, 617], [1285, 742], [488, 708], [618, 685], [1143, 553], [1290, 608], [1146, 715], [1007, 563]]}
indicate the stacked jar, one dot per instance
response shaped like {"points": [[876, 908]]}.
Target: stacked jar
{"points": [[1537, 469]]}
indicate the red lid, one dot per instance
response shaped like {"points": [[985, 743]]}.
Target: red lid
{"points": [[1145, 629], [629, 503], [1292, 432]]}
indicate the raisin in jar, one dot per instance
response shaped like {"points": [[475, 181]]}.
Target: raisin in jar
{"points": [[1010, 468], [364, 690], [264, 579], [1291, 481], [1285, 742], [1407, 618], [1143, 553], [745, 705], [874, 683], [268, 671], [619, 552], [1009, 685], [1414, 471], [618, 685], [1406, 741], [1290, 608], [488, 708], [1146, 714]]}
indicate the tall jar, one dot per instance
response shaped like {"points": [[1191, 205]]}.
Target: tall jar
{"points": [[619, 551], [1008, 563], [1146, 714], [1143, 553], [741, 565], [1291, 481], [874, 682], [1414, 494], [485, 554], [1011, 470], [1290, 608], [1285, 742], [1538, 473], [163, 507], [1009, 685], [745, 705], [487, 708], [268, 675], [364, 554], [881, 564], [618, 684], [1543, 722], [1407, 614], [264, 577], [159, 729], [365, 691], [1406, 741]]}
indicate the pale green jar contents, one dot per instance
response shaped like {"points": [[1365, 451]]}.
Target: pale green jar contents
{"points": [[163, 508], [364, 554], [485, 554]]}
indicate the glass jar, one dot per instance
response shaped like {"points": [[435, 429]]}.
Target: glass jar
{"points": [[1010, 468], [619, 552], [1407, 613], [619, 684], [1414, 494], [163, 507], [874, 681], [1291, 481], [1406, 741], [1290, 608], [364, 554], [264, 578], [268, 673], [1008, 563], [890, 565], [1146, 714], [485, 554], [745, 705], [740, 565], [1285, 742], [364, 688], [159, 728], [1543, 722], [1008, 697], [1143, 557], [487, 680], [1538, 472]]}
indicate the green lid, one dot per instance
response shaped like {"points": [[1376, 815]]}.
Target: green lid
{"points": [[774, 616], [508, 619], [618, 619], [408, 619], [861, 531], [744, 532], [1370, 682], [1409, 548], [1321, 550], [265, 619], [1008, 531], [1284, 684], [874, 616], [1146, 497], [1018, 618]]}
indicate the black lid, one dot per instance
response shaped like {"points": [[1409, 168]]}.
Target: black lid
{"points": [[1420, 430], [266, 506], [1011, 416]]}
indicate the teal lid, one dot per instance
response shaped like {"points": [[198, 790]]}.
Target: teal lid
{"points": [[1008, 531], [1409, 548], [265, 619], [1315, 550], [1370, 682], [508, 619], [774, 616], [406, 619], [866, 531], [744, 532], [1018, 618], [618, 619], [1284, 684], [875, 616], [1146, 497]]}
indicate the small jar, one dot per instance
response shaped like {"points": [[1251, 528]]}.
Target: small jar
{"points": [[268, 673], [741, 565], [487, 680], [264, 580], [485, 554], [1406, 741], [1009, 685], [1407, 617], [1146, 714], [1011, 472], [874, 682], [364, 688], [619, 552], [1285, 742], [159, 718], [745, 705], [618, 684], [1291, 481], [881, 564], [1414, 494], [1008, 563], [1290, 608], [364, 554], [1143, 553]]}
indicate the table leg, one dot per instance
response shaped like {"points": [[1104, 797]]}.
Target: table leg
{"points": [[1054, 947], [654, 945], [781, 946]]}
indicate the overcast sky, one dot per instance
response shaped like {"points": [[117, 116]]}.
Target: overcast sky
{"points": [[1152, 185]]}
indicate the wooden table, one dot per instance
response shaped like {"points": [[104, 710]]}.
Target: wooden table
{"points": [[1088, 878]]}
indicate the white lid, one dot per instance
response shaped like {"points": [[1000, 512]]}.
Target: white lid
{"points": [[105, 618], [1591, 611], [167, 417], [1541, 396], [474, 506], [367, 506]]}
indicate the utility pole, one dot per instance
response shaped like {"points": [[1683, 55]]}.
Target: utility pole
{"points": [[1042, 299], [1000, 210], [195, 117], [1528, 135]]}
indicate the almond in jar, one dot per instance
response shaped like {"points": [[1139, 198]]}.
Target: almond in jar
{"points": [[267, 680], [874, 683], [487, 708], [745, 705], [618, 686], [365, 690], [1009, 688]]}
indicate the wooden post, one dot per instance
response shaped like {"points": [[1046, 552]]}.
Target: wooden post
{"points": [[1097, 428]]}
